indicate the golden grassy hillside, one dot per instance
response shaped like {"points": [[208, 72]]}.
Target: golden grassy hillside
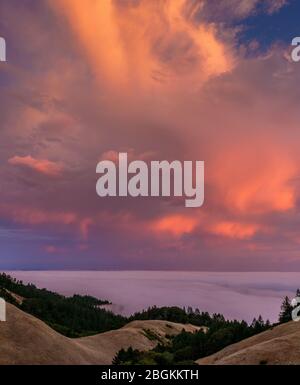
{"points": [[279, 345], [27, 340]]}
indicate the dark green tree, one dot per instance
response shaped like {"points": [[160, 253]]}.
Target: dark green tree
{"points": [[286, 311]]}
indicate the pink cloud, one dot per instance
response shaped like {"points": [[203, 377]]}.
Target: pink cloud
{"points": [[50, 249], [174, 224], [235, 230], [35, 216], [84, 227], [142, 35], [42, 166]]}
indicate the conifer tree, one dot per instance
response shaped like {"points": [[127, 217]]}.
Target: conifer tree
{"points": [[286, 311]]}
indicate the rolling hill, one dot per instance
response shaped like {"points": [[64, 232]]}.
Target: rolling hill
{"points": [[279, 345], [26, 340]]}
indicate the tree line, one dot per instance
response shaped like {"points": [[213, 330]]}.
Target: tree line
{"points": [[74, 316]]}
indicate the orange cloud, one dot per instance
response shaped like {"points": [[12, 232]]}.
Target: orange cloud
{"points": [[235, 230], [147, 43], [256, 181], [175, 224], [42, 166]]}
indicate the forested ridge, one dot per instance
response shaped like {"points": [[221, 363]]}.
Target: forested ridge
{"points": [[74, 316], [186, 347]]}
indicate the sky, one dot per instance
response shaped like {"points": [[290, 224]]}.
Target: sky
{"points": [[163, 79]]}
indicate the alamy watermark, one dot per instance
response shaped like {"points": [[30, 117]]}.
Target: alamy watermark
{"points": [[296, 51], [296, 309], [2, 49], [2, 310], [163, 179]]}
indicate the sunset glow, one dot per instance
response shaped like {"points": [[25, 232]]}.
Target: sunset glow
{"points": [[162, 79]]}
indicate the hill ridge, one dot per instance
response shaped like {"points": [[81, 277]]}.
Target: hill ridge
{"points": [[278, 345], [24, 339]]}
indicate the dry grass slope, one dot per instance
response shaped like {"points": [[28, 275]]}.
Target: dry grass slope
{"points": [[26, 340], [280, 345]]}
